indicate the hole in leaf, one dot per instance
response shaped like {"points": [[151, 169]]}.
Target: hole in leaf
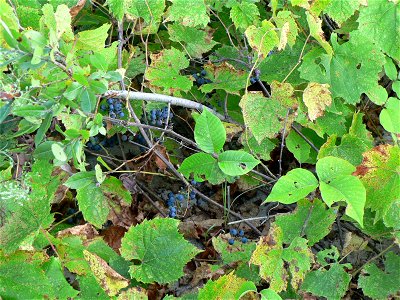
{"points": [[358, 66]]}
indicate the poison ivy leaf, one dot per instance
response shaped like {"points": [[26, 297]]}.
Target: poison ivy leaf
{"points": [[161, 250], [314, 23], [204, 167], [269, 294], [226, 287], [358, 62], [378, 17], [310, 219], [262, 39], [236, 163], [224, 77], [209, 132], [262, 115], [390, 115], [107, 278], [298, 146], [340, 11], [54, 273], [58, 152], [93, 39], [196, 41], [244, 14], [379, 284], [390, 69], [331, 284], [93, 204], [286, 17], [379, 172], [21, 278], [293, 186], [81, 180], [336, 184], [163, 71], [316, 97], [195, 16]]}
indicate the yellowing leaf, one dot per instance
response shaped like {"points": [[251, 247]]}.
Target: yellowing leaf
{"points": [[316, 32], [287, 24], [284, 36], [190, 13], [316, 97], [262, 39], [109, 280]]}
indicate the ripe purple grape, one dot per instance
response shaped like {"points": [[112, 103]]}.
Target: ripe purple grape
{"points": [[233, 232], [231, 241], [241, 232], [244, 240]]}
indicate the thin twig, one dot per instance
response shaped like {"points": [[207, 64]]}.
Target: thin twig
{"points": [[144, 190], [264, 88], [282, 143], [372, 259]]}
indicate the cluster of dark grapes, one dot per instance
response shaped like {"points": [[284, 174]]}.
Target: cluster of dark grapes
{"points": [[114, 108], [239, 234], [159, 117], [200, 78], [173, 199], [96, 144], [256, 77]]}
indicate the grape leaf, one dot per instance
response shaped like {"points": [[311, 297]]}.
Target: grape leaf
{"points": [[93, 39], [293, 186], [150, 11], [316, 97], [244, 14], [163, 72], [341, 10], [195, 16], [262, 39], [331, 284], [379, 284], [316, 32], [378, 17], [311, 219], [226, 287], [196, 41], [233, 253], [160, 248], [236, 163], [262, 150], [284, 17], [379, 172]]}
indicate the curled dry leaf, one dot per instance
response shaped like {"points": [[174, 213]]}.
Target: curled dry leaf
{"points": [[77, 8], [86, 230]]}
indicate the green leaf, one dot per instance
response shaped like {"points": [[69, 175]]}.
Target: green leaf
{"points": [[390, 115], [337, 184], [379, 172], [237, 252], [73, 91], [359, 62], [54, 273], [22, 279], [93, 39], [293, 186], [277, 264], [331, 284], [88, 100], [150, 12], [43, 128], [4, 111], [161, 250], [209, 132], [93, 204], [262, 115], [117, 8], [340, 11], [269, 294], [262, 150], [224, 77], [244, 14], [113, 185], [204, 167], [34, 111], [310, 219], [378, 17], [164, 69], [195, 16], [390, 69], [298, 146], [58, 152], [196, 41], [236, 163], [281, 19], [81, 180], [379, 284], [226, 287], [315, 23], [262, 39]]}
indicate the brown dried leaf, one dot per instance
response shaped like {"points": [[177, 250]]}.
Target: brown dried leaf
{"points": [[113, 235], [87, 231], [74, 10]]}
